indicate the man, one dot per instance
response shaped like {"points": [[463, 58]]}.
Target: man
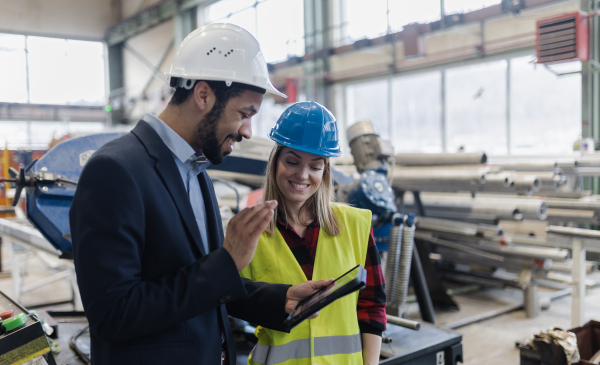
{"points": [[157, 278]]}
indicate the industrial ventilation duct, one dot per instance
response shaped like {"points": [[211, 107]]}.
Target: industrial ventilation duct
{"points": [[562, 38]]}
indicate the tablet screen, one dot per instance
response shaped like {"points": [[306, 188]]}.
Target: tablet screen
{"points": [[326, 291]]}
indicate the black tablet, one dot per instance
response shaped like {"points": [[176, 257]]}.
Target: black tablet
{"points": [[355, 279]]}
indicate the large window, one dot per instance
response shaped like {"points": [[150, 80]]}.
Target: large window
{"points": [[63, 71], [37, 135], [506, 106], [416, 113], [476, 108], [369, 101], [268, 114], [277, 24], [404, 12], [365, 21], [13, 69], [545, 112], [353, 20], [42, 70], [463, 6]]}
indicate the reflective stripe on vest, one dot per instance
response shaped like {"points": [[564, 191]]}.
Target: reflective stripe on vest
{"points": [[298, 349]]}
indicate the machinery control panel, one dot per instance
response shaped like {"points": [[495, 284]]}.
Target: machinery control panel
{"points": [[22, 337]]}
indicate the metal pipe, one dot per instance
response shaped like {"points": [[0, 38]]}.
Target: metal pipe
{"points": [[577, 204], [41, 283], [499, 181], [481, 212], [573, 232], [516, 264], [457, 246], [444, 180], [403, 322], [487, 218], [575, 216], [528, 166], [522, 251], [531, 208], [435, 159], [527, 184], [463, 228]]}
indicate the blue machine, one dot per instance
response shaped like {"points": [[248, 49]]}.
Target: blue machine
{"points": [[373, 192], [50, 183]]}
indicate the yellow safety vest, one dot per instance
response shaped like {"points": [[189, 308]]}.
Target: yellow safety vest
{"points": [[333, 337]]}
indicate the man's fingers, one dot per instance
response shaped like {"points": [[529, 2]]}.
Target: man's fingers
{"points": [[246, 215], [256, 228], [321, 283], [260, 219]]}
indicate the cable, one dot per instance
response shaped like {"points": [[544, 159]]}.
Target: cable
{"points": [[73, 345]]}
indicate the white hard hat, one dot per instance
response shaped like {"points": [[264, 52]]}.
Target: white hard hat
{"points": [[222, 52]]}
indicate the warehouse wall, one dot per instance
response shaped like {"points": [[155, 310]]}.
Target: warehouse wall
{"points": [[505, 33], [60, 18], [148, 89], [67, 18]]}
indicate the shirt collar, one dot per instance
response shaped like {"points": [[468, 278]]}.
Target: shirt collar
{"points": [[284, 224], [178, 146]]}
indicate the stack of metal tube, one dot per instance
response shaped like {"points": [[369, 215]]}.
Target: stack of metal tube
{"points": [[462, 193], [469, 172], [481, 245], [511, 179], [464, 199], [482, 208]]}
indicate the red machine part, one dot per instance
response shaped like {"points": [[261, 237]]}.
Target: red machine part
{"points": [[562, 38]]}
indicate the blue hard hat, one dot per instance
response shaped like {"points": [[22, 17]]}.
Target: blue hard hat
{"points": [[308, 126]]}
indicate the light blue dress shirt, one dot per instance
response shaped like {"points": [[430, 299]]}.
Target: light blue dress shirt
{"points": [[190, 163]]}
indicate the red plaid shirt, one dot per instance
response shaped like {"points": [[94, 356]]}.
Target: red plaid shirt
{"points": [[371, 299]]}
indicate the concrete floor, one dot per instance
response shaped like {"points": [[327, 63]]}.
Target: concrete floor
{"points": [[493, 341], [488, 342]]}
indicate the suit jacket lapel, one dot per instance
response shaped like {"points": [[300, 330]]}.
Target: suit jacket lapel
{"points": [[213, 214], [169, 173]]}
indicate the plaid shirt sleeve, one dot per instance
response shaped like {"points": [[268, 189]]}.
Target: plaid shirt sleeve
{"points": [[372, 299]]}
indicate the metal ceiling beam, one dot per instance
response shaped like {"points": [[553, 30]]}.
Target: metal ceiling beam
{"points": [[464, 18], [149, 18], [45, 112]]}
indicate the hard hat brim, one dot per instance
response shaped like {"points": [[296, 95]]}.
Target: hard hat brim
{"points": [[269, 88], [314, 151]]}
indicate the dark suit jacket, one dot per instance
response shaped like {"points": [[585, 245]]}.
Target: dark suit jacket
{"points": [[150, 292]]}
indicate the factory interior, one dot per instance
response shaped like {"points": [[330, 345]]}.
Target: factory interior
{"points": [[470, 129]]}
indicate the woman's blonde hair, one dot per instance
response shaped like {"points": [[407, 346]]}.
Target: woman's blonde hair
{"points": [[318, 205]]}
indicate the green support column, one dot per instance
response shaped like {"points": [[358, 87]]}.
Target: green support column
{"points": [[590, 87], [185, 22], [116, 83], [317, 42]]}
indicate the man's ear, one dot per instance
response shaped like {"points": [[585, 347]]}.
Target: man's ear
{"points": [[203, 96]]}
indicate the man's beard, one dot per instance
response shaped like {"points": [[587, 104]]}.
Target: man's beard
{"points": [[206, 134]]}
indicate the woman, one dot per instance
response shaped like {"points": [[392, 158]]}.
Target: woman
{"points": [[311, 239]]}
